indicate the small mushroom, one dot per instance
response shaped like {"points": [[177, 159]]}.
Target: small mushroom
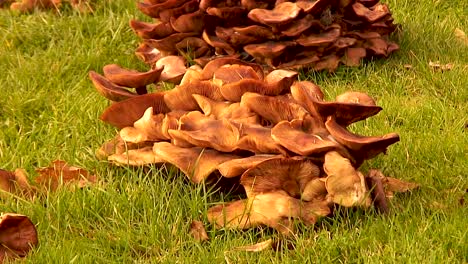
{"points": [[131, 78]]}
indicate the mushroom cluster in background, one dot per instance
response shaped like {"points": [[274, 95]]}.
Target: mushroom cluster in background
{"points": [[276, 136], [317, 34], [30, 5]]}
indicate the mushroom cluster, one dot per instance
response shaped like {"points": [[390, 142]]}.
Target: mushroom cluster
{"points": [[30, 5], [276, 136], [317, 34]]}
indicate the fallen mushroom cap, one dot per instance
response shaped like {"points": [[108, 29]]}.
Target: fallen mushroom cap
{"points": [[18, 235]]}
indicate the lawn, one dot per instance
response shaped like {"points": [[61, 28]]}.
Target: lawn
{"points": [[49, 110]]}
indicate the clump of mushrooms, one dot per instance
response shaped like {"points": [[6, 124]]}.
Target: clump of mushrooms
{"points": [[302, 34], [30, 5], [288, 147]]}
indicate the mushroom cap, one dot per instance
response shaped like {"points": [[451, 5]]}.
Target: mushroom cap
{"points": [[136, 157], [241, 36], [18, 235], [212, 66], [148, 54], [174, 68], [280, 14], [361, 146], [192, 22], [153, 9], [220, 135], [168, 43], [291, 136], [193, 46], [372, 14], [257, 139], [189, 6], [228, 13], [356, 98], [297, 27], [330, 35], [147, 128], [234, 73], [125, 113], [131, 78], [151, 31], [269, 49], [353, 56], [273, 109], [108, 89], [180, 98]]}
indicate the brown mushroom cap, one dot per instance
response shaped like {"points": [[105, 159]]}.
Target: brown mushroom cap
{"points": [[136, 157], [234, 73], [269, 49], [154, 9], [273, 109], [148, 54], [189, 6], [282, 13], [271, 209], [220, 135], [353, 56], [212, 66], [363, 146], [18, 235], [222, 109], [291, 136], [174, 68], [196, 163], [125, 113], [329, 36], [356, 98], [372, 14], [180, 98], [108, 89], [151, 31], [193, 22], [131, 78], [147, 128]]}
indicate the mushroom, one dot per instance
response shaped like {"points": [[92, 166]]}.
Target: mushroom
{"points": [[237, 167], [174, 68], [16, 183], [125, 113], [131, 78], [18, 236], [282, 13], [152, 31], [136, 157], [108, 89]]}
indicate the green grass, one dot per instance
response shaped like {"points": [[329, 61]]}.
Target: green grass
{"points": [[49, 110]]}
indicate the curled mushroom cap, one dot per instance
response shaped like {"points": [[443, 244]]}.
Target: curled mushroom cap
{"points": [[131, 78], [373, 14], [212, 66], [167, 44], [151, 31], [363, 146], [353, 56], [18, 235], [147, 128], [16, 183], [234, 73], [148, 54], [328, 36], [189, 6], [355, 98], [180, 98], [108, 89]]}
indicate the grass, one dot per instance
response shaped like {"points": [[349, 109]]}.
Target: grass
{"points": [[49, 110]]}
